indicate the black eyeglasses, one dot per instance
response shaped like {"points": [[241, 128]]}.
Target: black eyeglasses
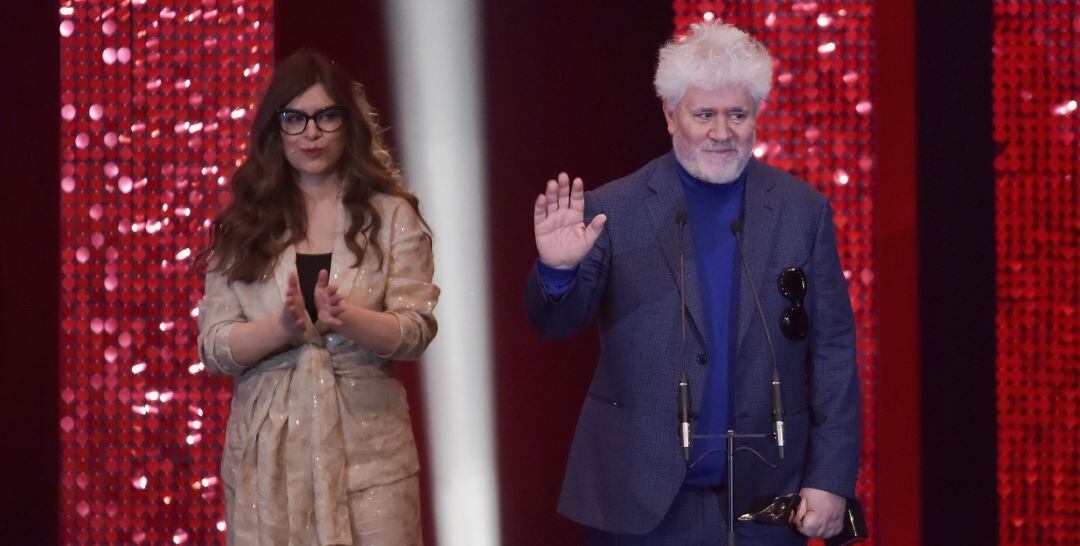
{"points": [[794, 322], [328, 120]]}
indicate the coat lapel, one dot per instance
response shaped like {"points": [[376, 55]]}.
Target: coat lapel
{"points": [[342, 272], [286, 265], [759, 223], [663, 206]]}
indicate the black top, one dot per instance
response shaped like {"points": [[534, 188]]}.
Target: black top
{"points": [[307, 269]]}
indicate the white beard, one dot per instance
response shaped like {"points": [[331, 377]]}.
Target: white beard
{"points": [[724, 172]]}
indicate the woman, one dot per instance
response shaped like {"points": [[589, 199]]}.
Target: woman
{"points": [[319, 272]]}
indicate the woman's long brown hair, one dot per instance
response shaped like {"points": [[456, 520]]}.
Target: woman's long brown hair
{"points": [[267, 213]]}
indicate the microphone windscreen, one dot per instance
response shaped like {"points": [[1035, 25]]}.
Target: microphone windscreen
{"points": [[736, 226], [680, 217]]}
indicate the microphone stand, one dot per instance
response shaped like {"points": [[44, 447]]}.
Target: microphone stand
{"points": [[729, 479], [684, 387]]}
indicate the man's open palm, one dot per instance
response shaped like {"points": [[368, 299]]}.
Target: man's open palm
{"points": [[562, 238]]}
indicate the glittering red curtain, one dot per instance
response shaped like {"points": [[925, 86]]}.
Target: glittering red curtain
{"points": [[156, 98], [1036, 86]]}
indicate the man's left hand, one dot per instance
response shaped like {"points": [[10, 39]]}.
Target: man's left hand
{"points": [[820, 513]]}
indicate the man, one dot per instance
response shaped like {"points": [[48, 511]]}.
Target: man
{"points": [[631, 252]]}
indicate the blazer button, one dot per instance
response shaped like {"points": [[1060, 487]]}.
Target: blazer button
{"points": [[702, 359]]}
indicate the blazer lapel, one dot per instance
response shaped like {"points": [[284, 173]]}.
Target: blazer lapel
{"points": [[342, 272], [759, 224], [286, 265], [667, 199]]}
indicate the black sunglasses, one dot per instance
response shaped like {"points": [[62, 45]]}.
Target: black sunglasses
{"points": [[794, 322]]}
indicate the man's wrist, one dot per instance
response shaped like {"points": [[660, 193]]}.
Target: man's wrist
{"points": [[555, 281], [564, 267]]}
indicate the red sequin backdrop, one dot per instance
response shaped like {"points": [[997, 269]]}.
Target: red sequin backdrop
{"points": [[1036, 86], [818, 125], [156, 99]]}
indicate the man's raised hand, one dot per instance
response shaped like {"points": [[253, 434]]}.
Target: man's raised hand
{"points": [[562, 238]]}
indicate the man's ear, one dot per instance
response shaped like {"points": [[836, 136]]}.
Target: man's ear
{"points": [[669, 117]]}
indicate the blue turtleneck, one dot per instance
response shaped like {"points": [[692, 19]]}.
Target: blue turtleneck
{"points": [[710, 209]]}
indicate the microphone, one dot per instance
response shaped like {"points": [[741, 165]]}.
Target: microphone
{"points": [[684, 415], [775, 396], [684, 383]]}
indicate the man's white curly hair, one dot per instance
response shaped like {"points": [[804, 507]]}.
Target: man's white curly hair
{"points": [[713, 56]]}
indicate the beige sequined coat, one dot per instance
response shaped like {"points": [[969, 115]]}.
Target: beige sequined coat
{"points": [[324, 418]]}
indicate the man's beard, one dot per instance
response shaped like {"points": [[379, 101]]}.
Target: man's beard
{"points": [[730, 169]]}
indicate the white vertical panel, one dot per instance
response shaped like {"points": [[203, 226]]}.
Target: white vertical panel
{"points": [[435, 56]]}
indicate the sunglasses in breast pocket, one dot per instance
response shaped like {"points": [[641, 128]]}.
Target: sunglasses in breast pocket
{"points": [[794, 322]]}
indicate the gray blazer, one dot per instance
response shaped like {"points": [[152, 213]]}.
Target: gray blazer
{"points": [[626, 463]]}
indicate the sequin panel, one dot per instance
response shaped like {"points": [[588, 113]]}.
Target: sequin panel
{"points": [[1036, 86], [818, 124], [156, 98]]}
